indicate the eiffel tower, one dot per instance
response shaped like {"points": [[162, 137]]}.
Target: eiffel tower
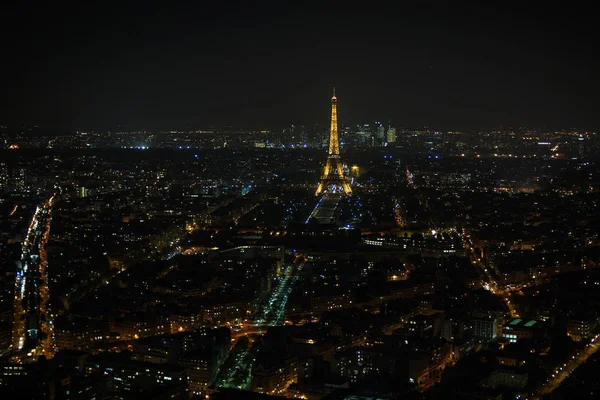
{"points": [[333, 179]]}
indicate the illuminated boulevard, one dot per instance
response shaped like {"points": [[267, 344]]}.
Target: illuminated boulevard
{"points": [[489, 282], [32, 322], [236, 371], [562, 372]]}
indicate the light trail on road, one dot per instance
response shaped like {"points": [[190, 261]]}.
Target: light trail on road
{"points": [[33, 332], [490, 282], [270, 312], [559, 374]]}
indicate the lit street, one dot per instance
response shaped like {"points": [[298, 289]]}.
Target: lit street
{"points": [[560, 373], [237, 369], [32, 327], [489, 282]]}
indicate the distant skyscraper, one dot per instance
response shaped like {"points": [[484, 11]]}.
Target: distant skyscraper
{"points": [[379, 132], [364, 134], [391, 135], [345, 137], [21, 180], [581, 149], [3, 177]]}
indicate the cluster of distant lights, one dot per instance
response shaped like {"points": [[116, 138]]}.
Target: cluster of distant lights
{"points": [[136, 147], [188, 147], [148, 147]]}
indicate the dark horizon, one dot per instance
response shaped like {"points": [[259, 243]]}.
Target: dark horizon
{"points": [[451, 68]]}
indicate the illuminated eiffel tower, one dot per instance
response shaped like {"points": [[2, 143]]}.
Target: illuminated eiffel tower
{"points": [[333, 179]]}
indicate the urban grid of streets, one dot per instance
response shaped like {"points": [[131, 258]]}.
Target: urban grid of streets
{"points": [[238, 375], [33, 331], [488, 275], [33, 334]]}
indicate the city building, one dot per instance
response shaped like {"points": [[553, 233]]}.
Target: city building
{"points": [[583, 328], [485, 328], [518, 329], [391, 135]]}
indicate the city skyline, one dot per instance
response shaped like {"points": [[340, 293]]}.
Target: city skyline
{"points": [[299, 201], [193, 265], [454, 67]]}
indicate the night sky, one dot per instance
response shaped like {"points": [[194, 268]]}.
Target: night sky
{"points": [[160, 66]]}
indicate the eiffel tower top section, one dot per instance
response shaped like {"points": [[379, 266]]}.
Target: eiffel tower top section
{"points": [[334, 143]]}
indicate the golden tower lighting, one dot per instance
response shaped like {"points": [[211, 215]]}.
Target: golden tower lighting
{"points": [[333, 175]]}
